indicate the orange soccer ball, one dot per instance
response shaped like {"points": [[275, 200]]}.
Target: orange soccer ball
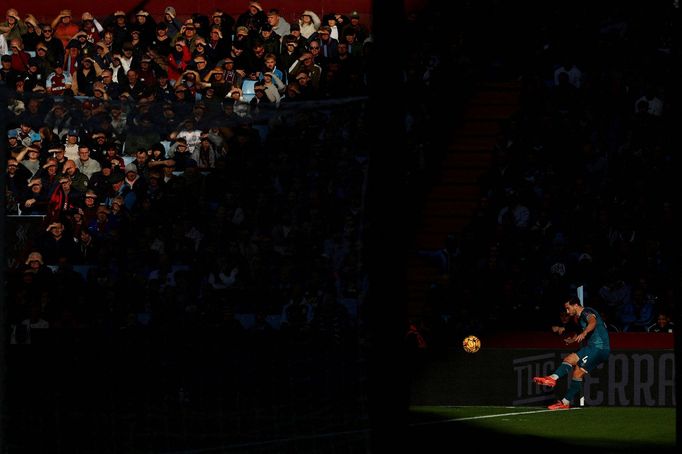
{"points": [[471, 344]]}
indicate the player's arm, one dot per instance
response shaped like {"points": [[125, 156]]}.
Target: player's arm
{"points": [[591, 325], [558, 330]]}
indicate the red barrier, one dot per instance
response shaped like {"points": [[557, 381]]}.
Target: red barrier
{"points": [[619, 341]]}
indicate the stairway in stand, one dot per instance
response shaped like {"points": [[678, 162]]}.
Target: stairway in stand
{"points": [[451, 201]]}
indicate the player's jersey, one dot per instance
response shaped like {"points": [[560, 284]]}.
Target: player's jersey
{"points": [[599, 338]]}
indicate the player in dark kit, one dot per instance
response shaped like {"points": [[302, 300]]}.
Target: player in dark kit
{"points": [[584, 360]]}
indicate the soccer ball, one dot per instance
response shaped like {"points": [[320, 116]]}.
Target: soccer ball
{"points": [[471, 344]]}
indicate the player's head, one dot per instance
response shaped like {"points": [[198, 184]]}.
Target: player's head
{"points": [[572, 305]]}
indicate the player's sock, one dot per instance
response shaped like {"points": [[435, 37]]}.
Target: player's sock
{"points": [[562, 370], [573, 388]]}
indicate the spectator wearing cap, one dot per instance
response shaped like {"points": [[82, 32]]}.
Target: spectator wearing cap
{"points": [[120, 190], [253, 18], [309, 22], [272, 42], [14, 145], [171, 21], [8, 74], [64, 28], [12, 27], [273, 86], [118, 73], [71, 144], [147, 73], [360, 30]]}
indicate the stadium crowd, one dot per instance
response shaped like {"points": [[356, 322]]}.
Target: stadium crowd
{"points": [[165, 170]]}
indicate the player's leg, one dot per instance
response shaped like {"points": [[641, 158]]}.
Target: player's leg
{"points": [[564, 368]]}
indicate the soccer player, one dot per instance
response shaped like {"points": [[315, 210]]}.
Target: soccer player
{"points": [[584, 360]]}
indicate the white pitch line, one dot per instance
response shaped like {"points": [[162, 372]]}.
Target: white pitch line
{"points": [[469, 418]]}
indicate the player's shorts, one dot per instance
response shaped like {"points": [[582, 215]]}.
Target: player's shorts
{"points": [[590, 357]]}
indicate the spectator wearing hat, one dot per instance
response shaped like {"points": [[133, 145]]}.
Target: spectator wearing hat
{"points": [[171, 21], [309, 22], [253, 18], [33, 33], [205, 154], [64, 28], [119, 190], [12, 27]]}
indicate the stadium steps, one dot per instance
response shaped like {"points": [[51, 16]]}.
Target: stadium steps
{"points": [[453, 198]]}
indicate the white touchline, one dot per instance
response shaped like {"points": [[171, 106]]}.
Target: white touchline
{"points": [[486, 417]]}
